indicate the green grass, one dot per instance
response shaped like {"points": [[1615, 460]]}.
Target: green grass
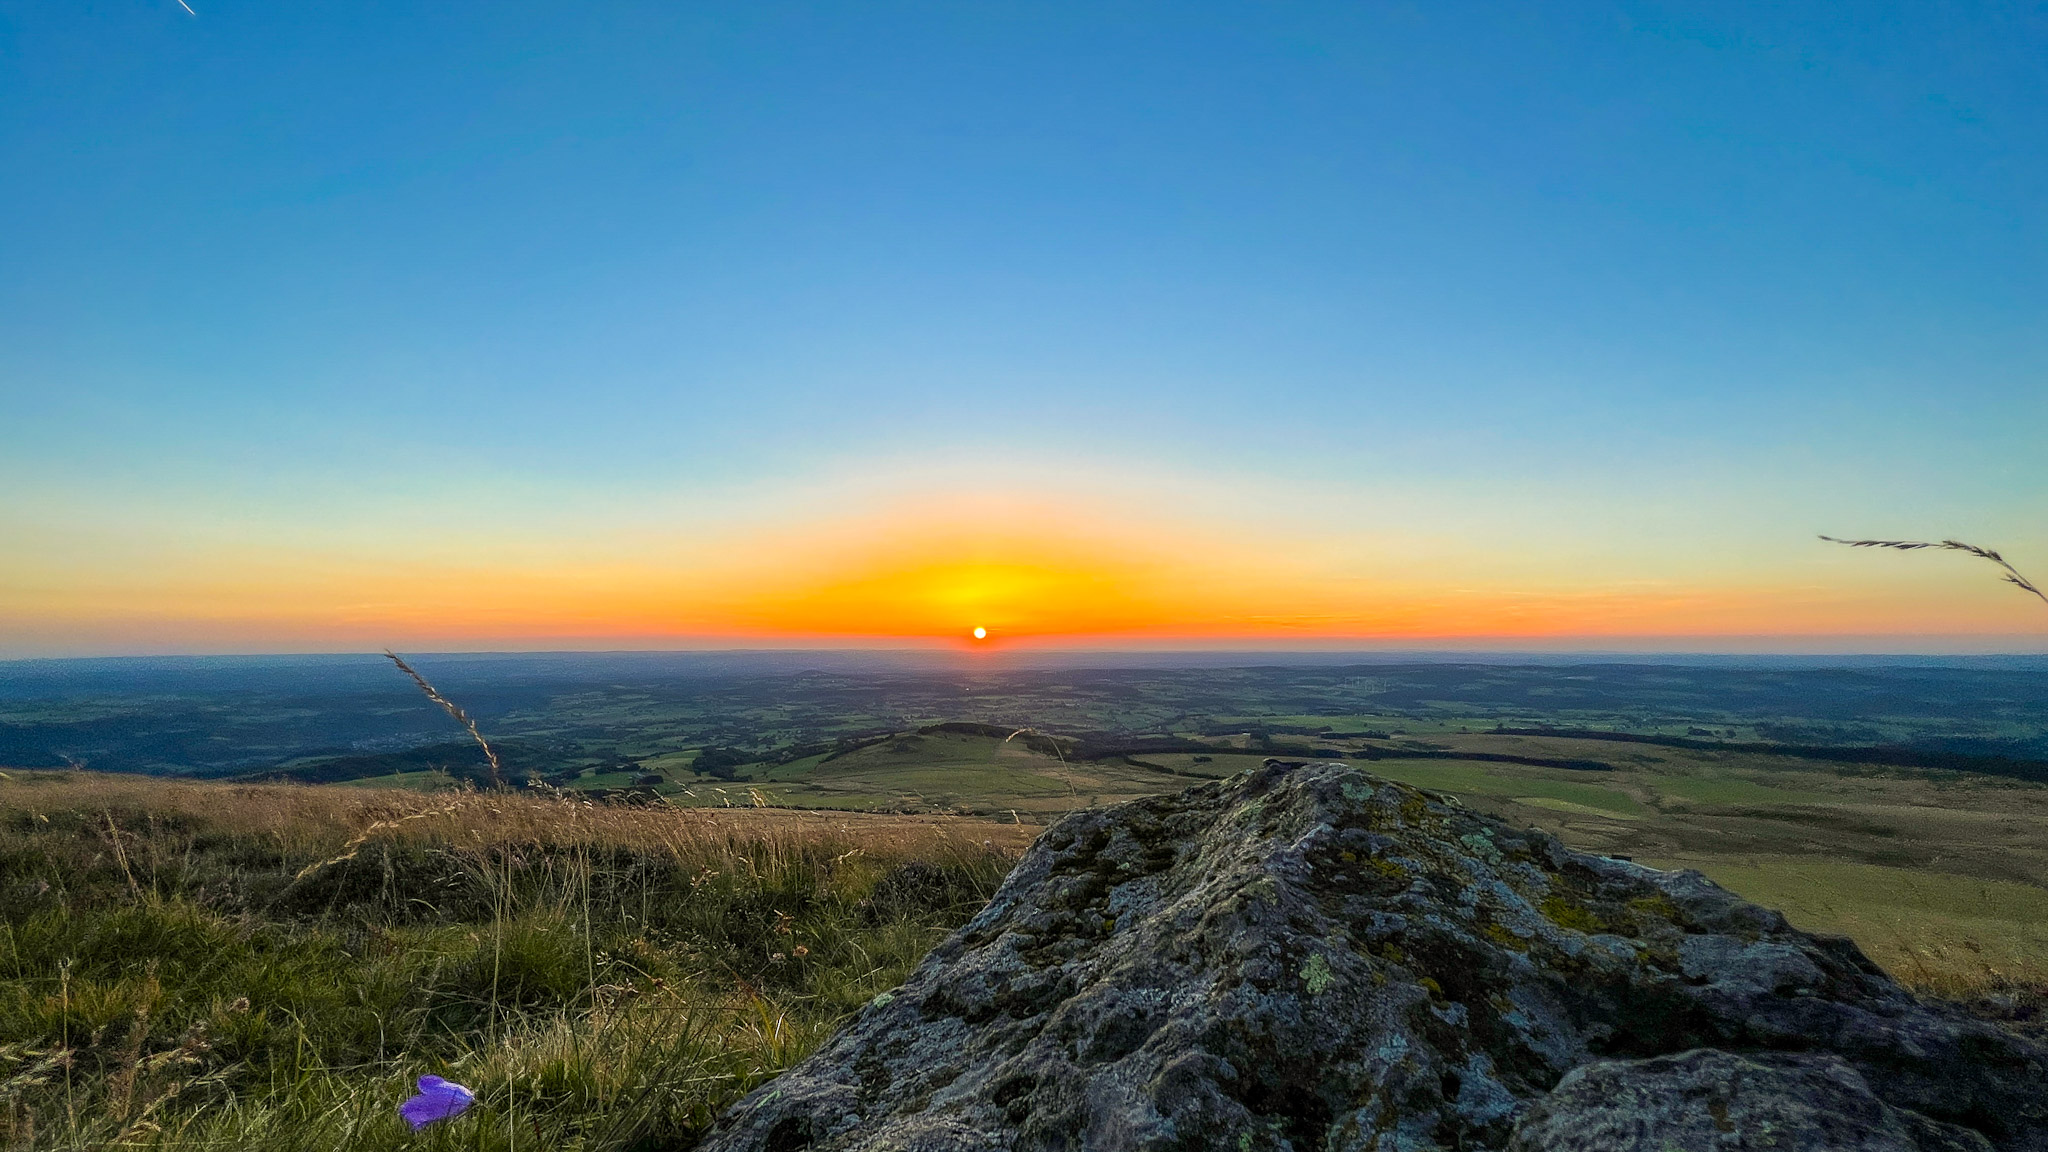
{"points": [[937, 771], [609, 977], [1554, 804], [1940, 877], [669, 761], [411, 781], [183, 973], [1732, 790], [1944, 932], [1701, 807], [1513, 781]]}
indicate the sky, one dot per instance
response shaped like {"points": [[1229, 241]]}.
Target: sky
{"points": [[332, 327]]}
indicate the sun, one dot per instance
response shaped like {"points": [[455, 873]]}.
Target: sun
{"points": [[980, 633]]}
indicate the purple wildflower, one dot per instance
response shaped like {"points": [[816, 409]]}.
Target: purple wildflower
{"points": [[438, 1100]]}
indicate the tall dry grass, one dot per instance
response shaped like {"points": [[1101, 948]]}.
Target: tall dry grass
{"points": [[455, 711], [2010, 574], [194, 965], [312, 818]]}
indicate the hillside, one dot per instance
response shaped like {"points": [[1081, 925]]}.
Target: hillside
{"points": [[1307, 956], [260, 968]]}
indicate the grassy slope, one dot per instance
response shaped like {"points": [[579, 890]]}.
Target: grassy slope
{"points": [[1854, 837], [1848, 832], [1940, 877], [195, 966], [666, 999], [938, 771], [1857, 852]]}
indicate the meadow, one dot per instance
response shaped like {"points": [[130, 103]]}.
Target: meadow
{"points": [[190, 965], [202, 965], [1941, 876], [693, 884]]}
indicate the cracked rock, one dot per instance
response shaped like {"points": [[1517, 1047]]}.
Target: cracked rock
{"points": [[1308, 957]]}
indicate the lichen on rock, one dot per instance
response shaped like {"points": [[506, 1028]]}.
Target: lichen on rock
{"points": [[1706, 1100], [1307, 957]]}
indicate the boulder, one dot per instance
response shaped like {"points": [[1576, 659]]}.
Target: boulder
{"points": [[1707, 1100], [1308, 957]]}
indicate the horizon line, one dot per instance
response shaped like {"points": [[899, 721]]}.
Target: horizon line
{"points": [[958, 654]]}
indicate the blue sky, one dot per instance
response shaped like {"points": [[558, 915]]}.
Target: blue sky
{"points": [[1625, 292]]}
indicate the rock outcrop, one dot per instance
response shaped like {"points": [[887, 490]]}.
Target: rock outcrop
{"points": [[1307, 957]]}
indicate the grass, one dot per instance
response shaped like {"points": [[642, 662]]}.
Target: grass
{"points": [[1940, 877], [942, 772], [1732, 790], [410, 781], [2008, 573], [1851, 836], [455, 713], [203, 966], [1944, 934], [1533, 788], [188, 965], [1848, 833]]}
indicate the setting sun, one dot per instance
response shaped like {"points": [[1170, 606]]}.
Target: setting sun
{"points": [[1470, 495], [721, 380]]}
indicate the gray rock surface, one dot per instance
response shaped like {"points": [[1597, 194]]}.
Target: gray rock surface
{"points": [[1711, 1101], [1310, 957]]}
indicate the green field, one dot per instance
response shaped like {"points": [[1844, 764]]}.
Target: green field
{"points": [[1855, 836], [205, 966], [612, 971], [1838, 847], [946, 771], [695, 881]]}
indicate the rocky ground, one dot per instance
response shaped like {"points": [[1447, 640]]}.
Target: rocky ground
{"points": [[1310, 957]]}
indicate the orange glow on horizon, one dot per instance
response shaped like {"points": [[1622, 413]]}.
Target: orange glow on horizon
{"points": [[944, 576]]}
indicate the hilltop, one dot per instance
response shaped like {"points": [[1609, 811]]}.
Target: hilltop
{"points": [[1308, 957]]}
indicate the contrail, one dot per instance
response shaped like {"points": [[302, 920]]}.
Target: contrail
{"points": [[186, 7]]}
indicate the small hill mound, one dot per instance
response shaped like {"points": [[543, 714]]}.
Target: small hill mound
{"points": [[1310, 957]]}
